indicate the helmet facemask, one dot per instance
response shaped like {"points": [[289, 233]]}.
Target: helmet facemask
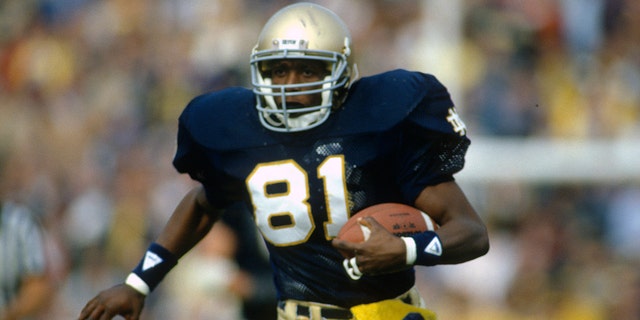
{"points": [[275, 114]]}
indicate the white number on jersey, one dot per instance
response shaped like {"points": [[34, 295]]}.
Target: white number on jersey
{"points": [[291, 204]]}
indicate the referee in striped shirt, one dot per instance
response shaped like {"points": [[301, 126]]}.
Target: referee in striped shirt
{"points": [[24, 285]]}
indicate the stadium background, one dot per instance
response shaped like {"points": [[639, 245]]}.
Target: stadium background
{"points": [[550, 92]]}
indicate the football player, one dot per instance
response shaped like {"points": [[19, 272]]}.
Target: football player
{"points": [[306, 148]]}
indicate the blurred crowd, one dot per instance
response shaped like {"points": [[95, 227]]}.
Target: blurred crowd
{"points": [[90, 92]]}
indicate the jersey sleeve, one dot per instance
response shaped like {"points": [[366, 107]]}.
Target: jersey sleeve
{"points": [[433, 143], [192, 158]]}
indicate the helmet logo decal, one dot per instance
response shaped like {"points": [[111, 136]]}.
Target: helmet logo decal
{"points": [[290, 44]]}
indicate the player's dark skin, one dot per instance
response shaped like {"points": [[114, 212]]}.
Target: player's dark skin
{"points": [[462, 232], [285, 72]]}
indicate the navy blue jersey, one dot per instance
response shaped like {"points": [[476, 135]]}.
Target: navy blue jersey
{"points": [[396, 133]]}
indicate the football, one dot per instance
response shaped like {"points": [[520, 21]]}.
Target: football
{"points": [[399, 219]]}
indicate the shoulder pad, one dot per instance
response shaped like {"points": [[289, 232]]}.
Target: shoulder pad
{"points": [[223, 120], [383, 101]]}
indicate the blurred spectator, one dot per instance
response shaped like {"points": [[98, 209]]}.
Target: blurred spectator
{"points": [[623, 223], [25, 285], [210, 284]]}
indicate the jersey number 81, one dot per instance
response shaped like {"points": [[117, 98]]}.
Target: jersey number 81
{"points": [[292, 203]]}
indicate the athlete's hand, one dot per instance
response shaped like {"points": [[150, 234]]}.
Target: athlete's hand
{"points": [[383, 252], [118, 300]]}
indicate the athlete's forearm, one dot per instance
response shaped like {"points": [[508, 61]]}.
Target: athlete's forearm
{"points": [[190, 222], [462, 232], [463, 240]]}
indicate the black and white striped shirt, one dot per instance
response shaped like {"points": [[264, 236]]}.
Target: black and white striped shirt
{"points": [[21, 249]]}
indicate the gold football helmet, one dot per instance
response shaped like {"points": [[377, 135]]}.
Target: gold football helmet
{"points": [[302, 31]]}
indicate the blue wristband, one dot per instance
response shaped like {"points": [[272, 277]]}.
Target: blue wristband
{"points": [[428, 248], [155, 265]]}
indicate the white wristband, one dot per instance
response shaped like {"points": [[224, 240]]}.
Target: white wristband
{"points": [[412, 254], [134, 281]]}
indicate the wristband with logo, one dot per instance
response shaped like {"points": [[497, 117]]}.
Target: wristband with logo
{"points": [[153, 267], [423, 249]]}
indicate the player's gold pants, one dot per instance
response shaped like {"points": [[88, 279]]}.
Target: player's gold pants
{"points": [[304, 310]]}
